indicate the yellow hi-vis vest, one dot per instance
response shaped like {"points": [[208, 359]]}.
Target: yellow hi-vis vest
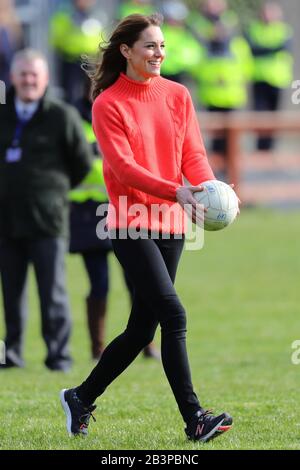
{"points": [[204, 28], [131, 8], [93, 185], [222, 80], [183, 51], [72, 40], [275, 68]]}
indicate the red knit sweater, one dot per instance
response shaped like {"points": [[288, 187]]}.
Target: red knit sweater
{"points": [[149, 137]]}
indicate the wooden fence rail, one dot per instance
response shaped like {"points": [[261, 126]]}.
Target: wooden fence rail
{"points": [[233, 125]]}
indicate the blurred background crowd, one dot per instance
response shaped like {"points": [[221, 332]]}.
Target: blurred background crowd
{"points": [[246, 47]]}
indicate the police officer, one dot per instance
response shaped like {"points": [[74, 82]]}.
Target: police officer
{"points": [[203, 17], [184, 52], [74, 32], [270, 41], [85, 200], [222, 76]]}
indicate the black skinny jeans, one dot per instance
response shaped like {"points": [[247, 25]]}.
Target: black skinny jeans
{"points": [[151, 265]]}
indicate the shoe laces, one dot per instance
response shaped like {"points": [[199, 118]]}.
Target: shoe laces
{"points": [[205, 414], [84, 419]]}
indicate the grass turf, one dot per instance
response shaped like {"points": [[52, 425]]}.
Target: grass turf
{"points": [[242, 297]]}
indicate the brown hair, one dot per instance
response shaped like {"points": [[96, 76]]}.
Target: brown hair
{"points": [[110, 63]]}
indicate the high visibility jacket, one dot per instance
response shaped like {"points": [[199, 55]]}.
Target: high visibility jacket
{"points": [[203, 27], [71, 38], [183, 51], [93, 186], [273, 63], [222, 79], [130, 8]]}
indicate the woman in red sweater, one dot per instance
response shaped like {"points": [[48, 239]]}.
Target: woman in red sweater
{"points": [[149, 136]]}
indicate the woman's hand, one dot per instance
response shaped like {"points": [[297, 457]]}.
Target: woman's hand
{"points": [[240, 202], [185, 197]]}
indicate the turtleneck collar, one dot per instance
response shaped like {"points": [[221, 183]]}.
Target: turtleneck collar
{"points": [[144, 91]]}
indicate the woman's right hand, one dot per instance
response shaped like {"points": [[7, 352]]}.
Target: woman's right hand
{"points": [[185, 197]]}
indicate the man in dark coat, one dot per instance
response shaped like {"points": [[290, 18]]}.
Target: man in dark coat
{"points": [[43, 153]]}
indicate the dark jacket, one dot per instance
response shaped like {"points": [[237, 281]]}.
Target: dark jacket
{"points": [[84, 221], [55, 157]]}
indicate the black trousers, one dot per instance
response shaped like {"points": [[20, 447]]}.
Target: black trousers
{"points": [[151, 266], [47, 256], [96, 264], [219, 144], [266, 98]]}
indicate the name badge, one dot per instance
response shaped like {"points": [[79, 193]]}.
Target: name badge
{"points": [[13, 155]]}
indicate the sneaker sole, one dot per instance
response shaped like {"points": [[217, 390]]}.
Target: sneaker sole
{"points": [[220, 431], [225, 428], [67, 411]]}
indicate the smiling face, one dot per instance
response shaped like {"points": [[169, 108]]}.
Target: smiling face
{"points": [[145, 57], [30, 79]]}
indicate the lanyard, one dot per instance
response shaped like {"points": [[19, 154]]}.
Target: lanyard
{"points": [[18, 132]]}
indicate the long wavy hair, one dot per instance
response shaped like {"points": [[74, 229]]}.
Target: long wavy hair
{"points": [[105, 70]]}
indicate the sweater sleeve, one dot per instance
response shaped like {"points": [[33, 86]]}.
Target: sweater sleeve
{"points": [[195, 166], [113, 141]]}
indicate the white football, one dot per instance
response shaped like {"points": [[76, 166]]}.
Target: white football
{"points": [[221, 203]]}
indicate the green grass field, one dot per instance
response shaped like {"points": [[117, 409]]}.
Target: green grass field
{"points": [[242, 296]]}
